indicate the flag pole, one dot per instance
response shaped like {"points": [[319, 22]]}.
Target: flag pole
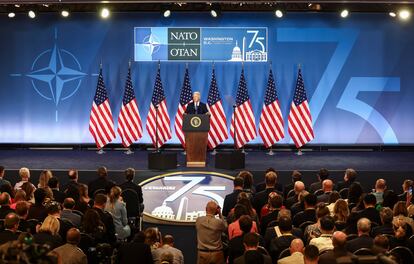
{"points": [[100, 151], [214, 152], [129, 151]]}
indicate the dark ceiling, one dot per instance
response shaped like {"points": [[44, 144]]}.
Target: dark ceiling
{"points": [[183, 6]]}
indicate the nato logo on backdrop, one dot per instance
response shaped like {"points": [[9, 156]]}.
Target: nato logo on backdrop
{"points": [[200, 44]]}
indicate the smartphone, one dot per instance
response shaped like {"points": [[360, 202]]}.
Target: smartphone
{"points": [[410, 190]]}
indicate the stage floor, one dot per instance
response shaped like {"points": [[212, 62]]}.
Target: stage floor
{"points": [[255, 160]]}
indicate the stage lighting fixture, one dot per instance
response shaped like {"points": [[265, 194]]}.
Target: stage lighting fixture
{"points": [[11, 14], [65, 13], [344, 13], [278, 13], [404, 14], [32, 14], [167, 13], [105, 12], [213, 13], [392, 14]]}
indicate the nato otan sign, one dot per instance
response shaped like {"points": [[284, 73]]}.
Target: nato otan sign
{"points": [[181, 197], [233, 44]]}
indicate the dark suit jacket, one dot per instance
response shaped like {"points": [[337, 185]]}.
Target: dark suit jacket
{"points": [[8, 235], [230, 201], [386, 229], [99, 183], [291, 201], [58, 196], [53, 241], [4, 210], [38, 212], [255, 256], [363, 241], [266, 220], [315, 186], [331, 256], [271, 233], [202, 108], [108, 221], [278, 244], [236, 247], [260, 199], [324, 198], [135, 187], [131, 253], [304, 216]]}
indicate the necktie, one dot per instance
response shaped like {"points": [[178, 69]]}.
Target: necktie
{"points": [[196, 108]]}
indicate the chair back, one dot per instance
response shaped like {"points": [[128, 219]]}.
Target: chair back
{"points": [[344, 193], [305, 224], [404, 254], [364, 252], [285, 253], [290, 193], [98, 191], [318, 192]]}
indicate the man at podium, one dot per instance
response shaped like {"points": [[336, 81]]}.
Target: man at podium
{"points": [[196, 107]]}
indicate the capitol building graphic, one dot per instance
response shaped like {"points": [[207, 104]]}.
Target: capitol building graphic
{"points": [[167, 213], [253, 55]]}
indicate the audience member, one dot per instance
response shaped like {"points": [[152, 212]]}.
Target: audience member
{"points": [[53, 209], [275, 202], [117, 208], [29, 189], [247, 177], [349, 178], [5, 205], [327, 187], [101, 183], [296, 253], [260, 198], [309, 214], [130, 184], [153, 238], [274, 231], [333, 197], [296, 176], [105, 217], [251, 253], [311, 255], [381, 245], [322, 175], [44, 178], [363, 240], [68, 214], [324, 241], [22, 211], [93, 226], [231, 199], [400, 212], [339, 249], [234, 228], [24, 174], [38, 210], [298, 188], [386, 221], [20, 196], [245, 200], [53, 184], [407, 184], [314, 230], [11, 228], [48, 232], [380, 187], [71, 189], [70, 252], [341, 213], [235, 247], [2, 173], [209, 229], [129, 253], [279, 243], [168, 248], [300, 205], [83, 202]]}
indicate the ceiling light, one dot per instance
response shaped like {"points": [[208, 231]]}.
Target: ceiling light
{"points": [[105, 12], [213, 13], [31, 14], [278, 13], [11, 14], [392, 14], [404, 14], [344, 13], [64, 13], [167, 13]]}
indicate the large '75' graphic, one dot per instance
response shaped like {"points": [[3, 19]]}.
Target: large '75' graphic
{"points": [[345, 39]]}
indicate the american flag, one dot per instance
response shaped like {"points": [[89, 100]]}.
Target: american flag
{"points": [[271, 126], [163, 120], [245, 124], [300, 119], [129, 120], [185, 98], [101, 123], [218, 123]]}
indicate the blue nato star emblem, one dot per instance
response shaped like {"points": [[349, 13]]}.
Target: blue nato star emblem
{"points": [[55, 74], [151, 44]]}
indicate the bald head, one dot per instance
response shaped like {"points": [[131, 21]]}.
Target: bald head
{"points": [[4, 198], [73, 236], [11, 221], [380, 185], [364, 226], [338, 239], [299, 186], [327, 185], [211, 207], [296, 246]]}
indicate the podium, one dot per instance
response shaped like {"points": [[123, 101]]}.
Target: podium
{"points": [[196, 129]]}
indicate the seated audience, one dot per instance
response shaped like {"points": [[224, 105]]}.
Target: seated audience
{"points": [[390, 199], [20, 196], [243, 199], [270, 211], [309, 214], [251, 253], [314, 230], [44, 178], [349, 178], [22, 211], [363, 240], [369, 212], [24, 174], [117, 208], [168, 248], [70, 253], [386, 223], [380, 187], [38, 210], [105, 217], [29, 189], [129, 184], [68, 214], [49, 232], [333, 197], [71, 189], [231, 199], [129, 253], [93, 226], [5, 205], [298, 188], [401, 213], [279, 243], [402, 233], [340, 213], [339, 249], [260, 198], [153, 238], [11, 228], [235, 247], [83, 202], [300, 205], [324, 241], [322, 175], [327, 188], [53, 209], [274, 231], [407, 184], [234, 228], [2, 173], [53, 184], [381, 245], [296, 176], [311, 255], [296, 253]]}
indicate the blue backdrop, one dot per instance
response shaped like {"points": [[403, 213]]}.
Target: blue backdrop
{"points": [[357, 72]]}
